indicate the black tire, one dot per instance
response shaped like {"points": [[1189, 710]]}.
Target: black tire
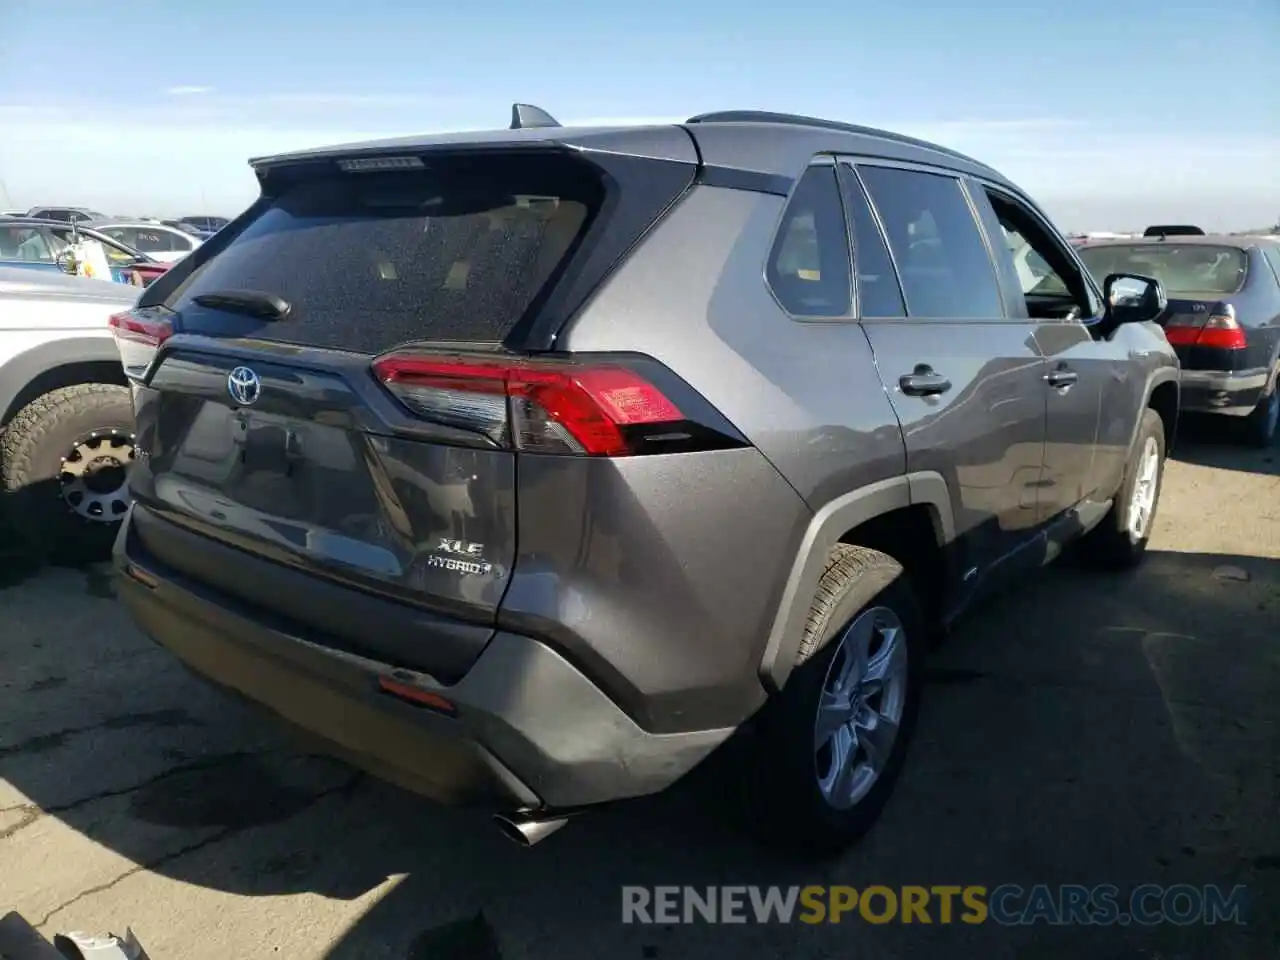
{"points": [[785, 804], [35, 449], [1112, 544], [1259, 428]]}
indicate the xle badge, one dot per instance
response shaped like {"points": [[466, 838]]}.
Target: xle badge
{"points": [[460, 556]]}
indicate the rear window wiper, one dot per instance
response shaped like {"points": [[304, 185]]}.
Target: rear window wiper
{"points": [[253, 303]]}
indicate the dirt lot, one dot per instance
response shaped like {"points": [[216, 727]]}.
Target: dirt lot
{"points": [[1082, 730]]}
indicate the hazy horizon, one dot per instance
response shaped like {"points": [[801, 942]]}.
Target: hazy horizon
{"points": [[1110, 138]]}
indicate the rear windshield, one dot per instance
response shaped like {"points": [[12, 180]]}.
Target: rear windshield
{"points": [[1181, 268], [457, 252]]}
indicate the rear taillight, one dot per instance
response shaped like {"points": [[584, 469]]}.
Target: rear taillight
{"points": [[138, 338], [1221, 331], [601, 410]]}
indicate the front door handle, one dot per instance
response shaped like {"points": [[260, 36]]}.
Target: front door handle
{"points": [[923, 382], [1061, 378]]}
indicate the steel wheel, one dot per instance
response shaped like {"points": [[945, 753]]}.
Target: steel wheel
{"points": [[860, 708], [93, 481]]}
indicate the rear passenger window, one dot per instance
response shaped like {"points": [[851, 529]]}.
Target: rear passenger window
{"points": [[942, 260], [878, 292], [809, 264]]}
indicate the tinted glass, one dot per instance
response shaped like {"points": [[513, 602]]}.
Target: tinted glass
{"points": [[809, 267], [1272, 254], [151, 241], [26, 244], [1180, 267], [369, 260], [878, 292], [942, 259]]}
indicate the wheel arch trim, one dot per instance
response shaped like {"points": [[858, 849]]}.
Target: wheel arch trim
{"points": [[1160, 377], [824, 531]]}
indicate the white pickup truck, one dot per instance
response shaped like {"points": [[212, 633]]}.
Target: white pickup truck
{"points": [[66, 417]]}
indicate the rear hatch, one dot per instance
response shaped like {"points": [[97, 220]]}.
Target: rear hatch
{"points": [[338, 389]]}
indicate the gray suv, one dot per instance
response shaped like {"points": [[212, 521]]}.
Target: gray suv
{"points": [[526, 468]]}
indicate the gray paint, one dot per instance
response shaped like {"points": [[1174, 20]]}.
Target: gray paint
{"points": [[505, 748], [664, 142], [657, 580], [647, 604], [805, 393]]}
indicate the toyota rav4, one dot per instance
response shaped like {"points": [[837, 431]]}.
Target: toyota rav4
{"points": [[527, 467]]}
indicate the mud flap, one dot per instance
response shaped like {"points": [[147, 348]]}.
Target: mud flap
{"points": [[20, 941]]}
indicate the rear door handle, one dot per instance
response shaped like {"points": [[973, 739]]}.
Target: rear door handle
{"points": [[1061, 378], [923, 382]]}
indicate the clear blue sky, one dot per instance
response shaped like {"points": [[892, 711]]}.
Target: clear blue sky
{"points": [[1113, 113]]}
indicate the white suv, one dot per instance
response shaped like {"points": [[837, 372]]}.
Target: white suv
{"points": [[66, 421]]}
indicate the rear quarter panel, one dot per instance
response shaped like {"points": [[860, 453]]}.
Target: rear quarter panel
{"points": [[805, 393], [686, 561]]}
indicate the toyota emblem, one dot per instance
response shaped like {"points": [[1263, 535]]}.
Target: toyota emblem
{"points": [[244, 386]]}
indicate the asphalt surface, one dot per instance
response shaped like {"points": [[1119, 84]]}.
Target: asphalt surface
{"points": [[1083, 729]]}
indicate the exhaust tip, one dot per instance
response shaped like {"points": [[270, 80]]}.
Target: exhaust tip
{"points": [[526, 831]]}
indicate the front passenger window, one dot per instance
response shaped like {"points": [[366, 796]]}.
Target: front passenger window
{"points": [[1052, 286], [809, 268]]}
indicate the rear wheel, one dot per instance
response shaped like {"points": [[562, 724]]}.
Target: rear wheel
{"points": [[1120, 540], [1261, 425], [64, 462], [828, 749]]}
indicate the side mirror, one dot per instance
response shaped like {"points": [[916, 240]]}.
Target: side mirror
{"points": [[1133, 298], [66, 261]]}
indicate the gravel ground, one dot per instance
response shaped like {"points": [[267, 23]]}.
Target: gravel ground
{"points": [[1083, 729]]}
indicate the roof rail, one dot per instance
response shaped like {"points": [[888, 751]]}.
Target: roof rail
{"points": [[765, 116], [525, 115]]}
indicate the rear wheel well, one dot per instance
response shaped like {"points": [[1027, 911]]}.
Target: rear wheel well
{"points": [[909, 535], [66, 375], [1164, 401]]}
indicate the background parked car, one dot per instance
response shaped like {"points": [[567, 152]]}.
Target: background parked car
{"points": [[40, 245], [1223, 317], [206, 226], [66, 423], [157, 240], [65, 214]]}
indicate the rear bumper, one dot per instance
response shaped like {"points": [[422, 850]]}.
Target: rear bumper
{"points": [[1234, 393], [530, 732]]}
